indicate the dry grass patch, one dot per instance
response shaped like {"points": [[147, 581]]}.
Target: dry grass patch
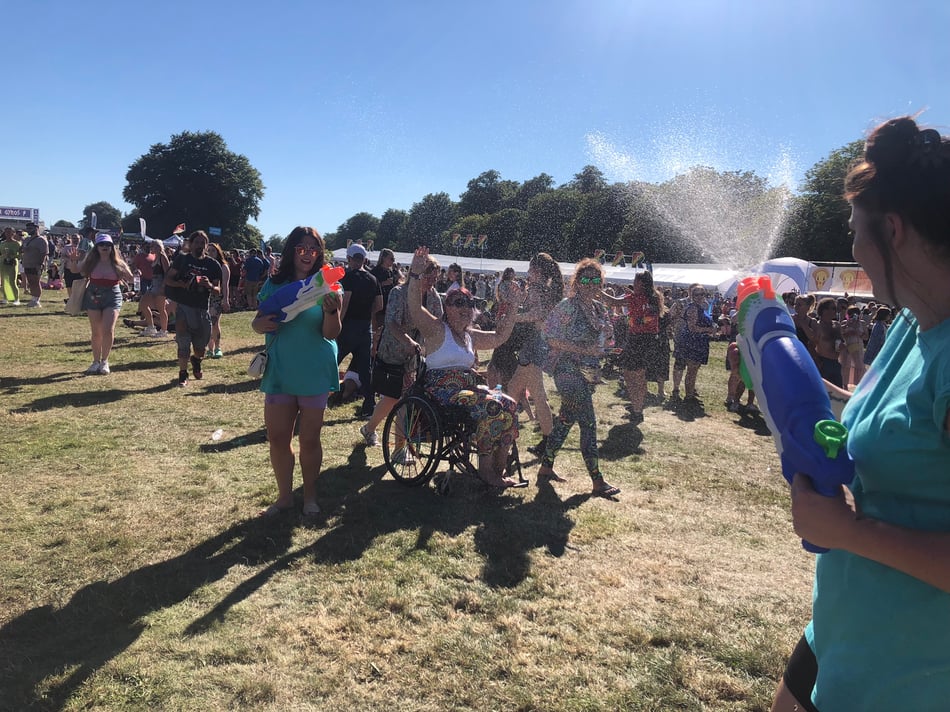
{"points": [[136, 575]]}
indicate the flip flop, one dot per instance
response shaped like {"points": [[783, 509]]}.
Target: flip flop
{"points": [[311, 509], [608, 492]]}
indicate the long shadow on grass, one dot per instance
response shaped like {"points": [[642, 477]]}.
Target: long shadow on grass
{"points": [[46, 654], [13, 384], [87, 398], [366, 506]]}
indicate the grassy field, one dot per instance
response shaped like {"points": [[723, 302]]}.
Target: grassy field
{"points": [[134, 573]]}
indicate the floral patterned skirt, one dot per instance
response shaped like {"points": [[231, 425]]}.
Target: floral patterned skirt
{"points": [[495, 415]]}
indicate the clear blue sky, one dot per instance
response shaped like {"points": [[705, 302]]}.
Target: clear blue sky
{"points": [[359, 105]]}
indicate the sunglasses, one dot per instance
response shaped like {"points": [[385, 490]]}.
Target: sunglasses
{"points": [[699, 294], [590, 280], [301, 250], [461, 302]]}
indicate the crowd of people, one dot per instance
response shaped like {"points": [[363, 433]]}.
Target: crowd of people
{"points": [[881, 609]]}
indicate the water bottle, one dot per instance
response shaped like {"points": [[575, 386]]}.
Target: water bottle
{"points": [[136, 283], [499, 391]]}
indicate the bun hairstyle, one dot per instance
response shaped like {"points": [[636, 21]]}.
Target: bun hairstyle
{"points": [[904, 170]]}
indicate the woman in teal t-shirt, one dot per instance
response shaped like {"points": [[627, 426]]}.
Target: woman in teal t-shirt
{"points": [[881, 611], [301, 372]]}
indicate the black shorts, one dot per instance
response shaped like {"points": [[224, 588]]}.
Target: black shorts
{"points": [[801, 671], [70, 277], [387, 379], [31, 271], [641, 352]]}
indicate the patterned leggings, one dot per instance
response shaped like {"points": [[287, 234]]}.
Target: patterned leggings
{"points": [[577, 406], [495, 414]]}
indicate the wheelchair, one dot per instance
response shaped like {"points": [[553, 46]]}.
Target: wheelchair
{"points": [[420, 434]]}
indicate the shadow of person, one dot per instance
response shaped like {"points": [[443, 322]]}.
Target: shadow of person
{"points": [[368, 505], [507, 536], [622, 440], [85, 399], [47, 653]]}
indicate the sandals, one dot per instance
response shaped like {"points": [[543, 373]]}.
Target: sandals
{"points": [[607, 491]]}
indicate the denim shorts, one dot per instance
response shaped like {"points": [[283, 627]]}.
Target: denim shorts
{"points": [[98, 298]]}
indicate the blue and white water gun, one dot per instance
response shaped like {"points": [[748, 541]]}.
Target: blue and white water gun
{"points": [[777, 366]]}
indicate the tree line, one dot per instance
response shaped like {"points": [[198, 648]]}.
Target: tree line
{"points": [[195, 179]]}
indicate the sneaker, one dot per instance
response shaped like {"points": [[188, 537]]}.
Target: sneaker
{"points": [[35, 304], [369, 436], [196, 368], [104, 368], [182, 379], [149, 331], [217, 353], [732, 406], [93, 369], [162, 334], [635, 418], [752, 409], [17, 303], [675, 395], [129, 323], [403, 457]]}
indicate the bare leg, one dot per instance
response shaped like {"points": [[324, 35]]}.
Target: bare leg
{"points": [[279, 419], [311, 451]]}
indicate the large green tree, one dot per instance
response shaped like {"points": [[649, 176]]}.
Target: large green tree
{"points": [[355, 228], [63, 223], [541, 183], [816, 228], [549, 226], [391, 229], [194, 179], [108, 217], [486, 194], [428, 220]]}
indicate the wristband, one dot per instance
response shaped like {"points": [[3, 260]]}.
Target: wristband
{"points": [[331, 313]]}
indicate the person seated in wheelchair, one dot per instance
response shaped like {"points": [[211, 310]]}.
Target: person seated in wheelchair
{"points": [[450, 379]]}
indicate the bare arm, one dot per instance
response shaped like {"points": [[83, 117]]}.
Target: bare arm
{"points": [[429, 325], [832, 522]]}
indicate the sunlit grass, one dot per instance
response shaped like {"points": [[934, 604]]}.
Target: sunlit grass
{"points": [[135, 574]]}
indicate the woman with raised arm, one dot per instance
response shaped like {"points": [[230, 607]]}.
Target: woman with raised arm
{"points": [[642, 349], [301, 371], [881, 607], [450, 344], [577, 330]]}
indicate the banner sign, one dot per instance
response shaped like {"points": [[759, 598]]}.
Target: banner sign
{"points": [[214, 231], [20, 213], [839, 278]]}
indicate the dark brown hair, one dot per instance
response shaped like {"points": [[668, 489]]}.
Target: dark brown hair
{"points": [[904, 170], [285, 272]]}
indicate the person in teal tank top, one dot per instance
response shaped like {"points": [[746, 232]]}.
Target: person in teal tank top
{"points": [[301, 372], [878, 639]]}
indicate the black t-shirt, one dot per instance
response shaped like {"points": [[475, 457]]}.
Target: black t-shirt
{"points": [[363, 289], [187, 268], [382, 274]]}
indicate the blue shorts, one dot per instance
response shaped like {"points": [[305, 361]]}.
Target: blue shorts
{"points": [[98, 298]]}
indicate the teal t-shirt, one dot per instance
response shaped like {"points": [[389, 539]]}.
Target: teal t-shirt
{"points": [[881, 637], [300, 361]]}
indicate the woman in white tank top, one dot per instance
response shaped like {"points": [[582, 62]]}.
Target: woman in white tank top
{"points": [[451, 343]]}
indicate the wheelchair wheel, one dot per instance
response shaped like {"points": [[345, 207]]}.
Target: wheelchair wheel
{"points": [[412, 438]]}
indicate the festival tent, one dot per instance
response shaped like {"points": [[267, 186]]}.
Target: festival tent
{"points": [[664, 275], [788, 274]]}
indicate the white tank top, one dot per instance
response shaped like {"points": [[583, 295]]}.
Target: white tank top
{"points": [[450, 354]]}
